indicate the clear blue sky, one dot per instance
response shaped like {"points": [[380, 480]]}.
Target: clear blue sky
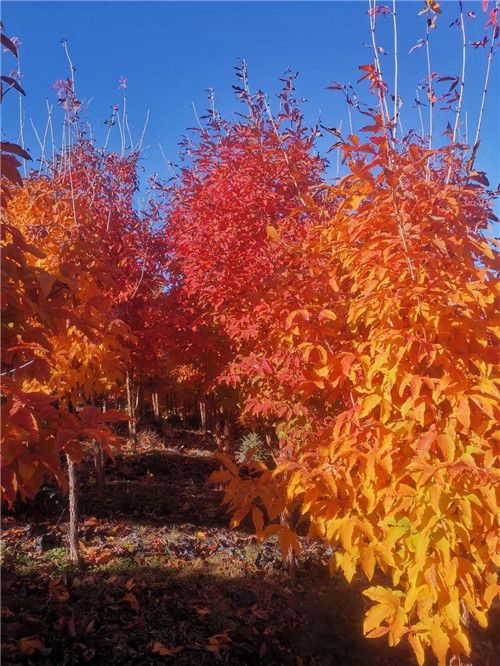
{"points": [[171, 52]]}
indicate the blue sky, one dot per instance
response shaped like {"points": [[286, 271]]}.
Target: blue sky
{"points": [[171, 52]]}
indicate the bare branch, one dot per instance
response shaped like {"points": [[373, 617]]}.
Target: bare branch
{"points": [[396, 72], [485, 92], [139, 145]]}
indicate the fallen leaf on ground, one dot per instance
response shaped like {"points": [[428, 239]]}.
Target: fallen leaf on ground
{"points": [[159, 648], [30, 644], [202, 610], [218, 642], [58, 590], [98, 555], [132, 600], [90, 522]]}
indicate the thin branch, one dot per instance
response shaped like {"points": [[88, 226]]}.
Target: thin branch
{"points": [[91, 133], [42, 157], [372, 5], [24, 365], [129, 133], [338, 153], [429, 83], [168, 163], [122, 126], [73, 203], [462, 83], [396, 71], [42, 145], [211, 97], [280, 141], [402, 235], [196, 116], [122, 134], [35, 132], [63, 146], [485, 92], [110, 127], [422, 128], [349, 114], [143, 269], [71, 67], [21, 113], [108, 223], [51, 127], [139, 145], [462, 77]]}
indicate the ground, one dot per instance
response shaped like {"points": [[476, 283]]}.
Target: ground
{"points": [[164, 579]]}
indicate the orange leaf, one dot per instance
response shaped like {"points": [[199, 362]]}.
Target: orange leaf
{"points": [[163, 651]]}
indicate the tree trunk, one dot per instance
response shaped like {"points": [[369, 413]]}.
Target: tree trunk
{"points": [[131, 408], [227, 432], [217, 433], [156, 404], [289, 558], [203, 416], [100, 475], [99, 467], [74, 552]]}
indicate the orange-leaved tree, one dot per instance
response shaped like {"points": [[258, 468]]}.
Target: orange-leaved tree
{"points": [[390, 458], [42, 308]]}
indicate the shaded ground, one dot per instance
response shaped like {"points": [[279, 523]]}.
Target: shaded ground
{"points": [[165, 580]]}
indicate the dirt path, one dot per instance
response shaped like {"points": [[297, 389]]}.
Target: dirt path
{"points": [[165, 580]]}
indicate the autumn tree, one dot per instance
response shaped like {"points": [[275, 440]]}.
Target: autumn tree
{"points": [[37, 307], [383, 383], [239, 179]]}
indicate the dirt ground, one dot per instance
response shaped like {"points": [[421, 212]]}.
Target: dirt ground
{"points": [[164, 580]]}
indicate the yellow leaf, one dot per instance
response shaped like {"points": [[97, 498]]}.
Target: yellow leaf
{"points": [[345, 533], [327, 314], [463, 412], [368, 562], [397, 628], [375, 615], [452, 612], [447, 446], [416, 644], [348, 566], [369, 403], [272, 233], [463, 640], [439, 643], [487, 250], [382, 595], [356, 201]]}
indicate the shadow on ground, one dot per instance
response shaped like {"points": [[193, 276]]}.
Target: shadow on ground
{"points": [[165, 580]]}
